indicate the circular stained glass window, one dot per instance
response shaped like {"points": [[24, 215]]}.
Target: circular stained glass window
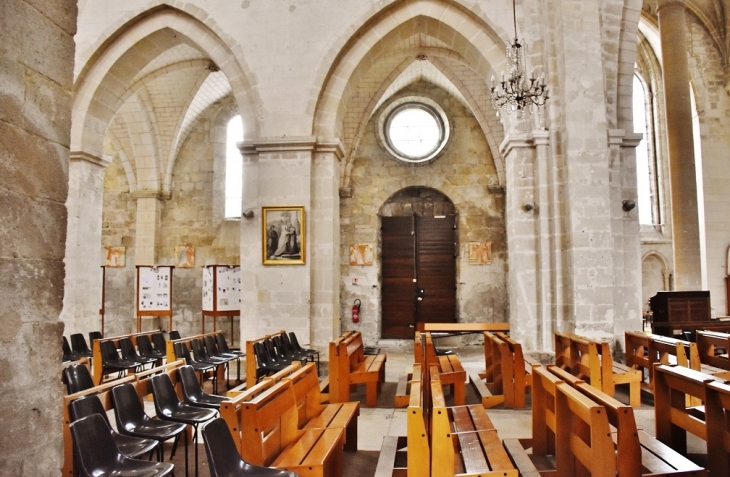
{"points": [[414, 130]]}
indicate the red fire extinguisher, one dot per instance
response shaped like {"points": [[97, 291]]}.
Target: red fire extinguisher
{"points": [[356, 312]]}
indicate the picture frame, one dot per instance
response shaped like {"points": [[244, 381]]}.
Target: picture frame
{"points": [[283, 235]]}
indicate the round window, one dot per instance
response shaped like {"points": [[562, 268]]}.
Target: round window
{"points": [[414, 130]]}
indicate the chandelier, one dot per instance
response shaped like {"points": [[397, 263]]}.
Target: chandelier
{"points": [[517, 91]]}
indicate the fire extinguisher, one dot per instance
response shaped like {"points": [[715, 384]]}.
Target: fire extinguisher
{"points": [[356, 311]]}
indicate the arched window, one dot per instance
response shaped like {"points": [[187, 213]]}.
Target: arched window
{"points": [[234, 168], [646, 179]]}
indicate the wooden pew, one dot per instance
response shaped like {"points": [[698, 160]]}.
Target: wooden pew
{"points": [[672, 385], [410, 455], [717, 408], [96, 359], [451, 372], [264, 423], [350, 366], [591, 360], [464, 440], [637, 452], [713, 347], [490, 384]]}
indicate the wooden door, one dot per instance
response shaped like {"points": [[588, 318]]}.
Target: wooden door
{"points": [[419, 273]]}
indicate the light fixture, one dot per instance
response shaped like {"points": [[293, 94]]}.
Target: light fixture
{"points": [[518, 92], [628, 205]]}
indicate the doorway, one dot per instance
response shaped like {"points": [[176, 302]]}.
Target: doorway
{"points": [[418, 257]]}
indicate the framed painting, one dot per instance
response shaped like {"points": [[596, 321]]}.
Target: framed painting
{"points": [[115, 257], [480, 253], [283, 235], [185, 256]]}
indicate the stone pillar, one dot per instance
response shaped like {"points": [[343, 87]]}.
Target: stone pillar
{"points": [[277, 172], [685, 221], [325, 243], [82, 286], [547, 292], [581, 130], [626, 238], [522, 243], [36, 74], [148, 220]]}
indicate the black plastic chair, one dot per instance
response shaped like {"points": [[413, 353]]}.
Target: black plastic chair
{"points": [[94, 335], [182, 352], [133, 421], [77, 378], [274, 354], [68, 355], [130, 446], [297, 348], [129, 352], [112, 362], [96, 454], [286, 352], [174, 335], [211, 347], [79, 346], [201, 355], [158, 339], [169, 408], [223, 347], [224, 459], [263, 362], [193, 394], [145, 349]]}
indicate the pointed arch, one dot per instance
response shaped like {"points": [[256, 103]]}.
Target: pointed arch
{"points": [[111, 71]]}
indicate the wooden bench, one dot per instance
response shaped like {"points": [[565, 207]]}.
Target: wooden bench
{"points": [[102, 391], [672, 386], [410, 455], [713, 347], [591, 360], [576, 430], [464, 441], [637, 452], [717, 408], [349, 366], [451, 372], [507, 375], [264, 423]]}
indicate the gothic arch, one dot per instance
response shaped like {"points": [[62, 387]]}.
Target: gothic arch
{"points": [[463, 36], [102, 83]]}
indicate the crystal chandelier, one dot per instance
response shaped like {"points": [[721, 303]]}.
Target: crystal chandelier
{"points": [[518, 91]]}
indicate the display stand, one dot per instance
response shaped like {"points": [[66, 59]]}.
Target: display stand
{"points": [[103, 297], [154, 293], [221, 294]]}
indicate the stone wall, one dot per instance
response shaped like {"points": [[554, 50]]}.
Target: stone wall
{"points": [[462, 173], [35, 119], [193, 215]]}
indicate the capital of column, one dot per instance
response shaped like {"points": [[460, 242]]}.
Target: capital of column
{"points": [[151, 194], [83, 156], [278, 144], [330, 145], [670, 3], [515, 141]]}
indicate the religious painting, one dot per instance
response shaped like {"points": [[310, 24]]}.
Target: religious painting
{"points": [[480, 253], [115, 257], [185, 256], [361, 254], [283, 235]]}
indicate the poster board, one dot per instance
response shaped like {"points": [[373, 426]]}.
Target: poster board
{"points": [[154, 292], [221, 294]]}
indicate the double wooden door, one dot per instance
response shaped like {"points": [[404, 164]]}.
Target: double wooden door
{"points": [[419, 273]]}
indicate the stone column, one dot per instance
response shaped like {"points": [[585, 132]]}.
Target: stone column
{"points": [[626, 238], [82, 286], [685, 221], [36, 74], [325, 242], [581, 130], [545, 223], [277, 172], [522, 244]]}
